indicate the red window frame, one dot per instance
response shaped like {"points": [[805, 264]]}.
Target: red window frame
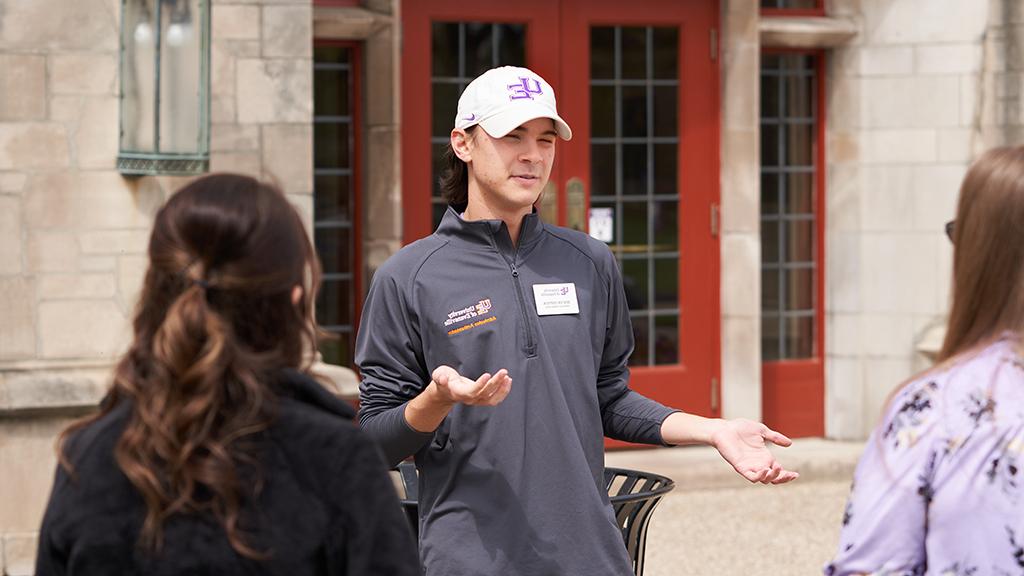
{"points": [[356, 76], [793, 391]]}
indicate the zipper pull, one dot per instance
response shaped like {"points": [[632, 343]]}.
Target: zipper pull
{"points": [[515, 273]]}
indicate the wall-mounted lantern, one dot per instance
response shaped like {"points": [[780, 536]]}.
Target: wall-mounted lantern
{"points": [[165, 87]]}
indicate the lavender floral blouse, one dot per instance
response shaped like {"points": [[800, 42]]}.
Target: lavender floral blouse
{"points": [[938, 489]]}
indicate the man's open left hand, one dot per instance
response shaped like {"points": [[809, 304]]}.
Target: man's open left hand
{"points": [[743, 443]]}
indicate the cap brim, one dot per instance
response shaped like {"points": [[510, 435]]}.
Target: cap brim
{"points": [[506, 121]]}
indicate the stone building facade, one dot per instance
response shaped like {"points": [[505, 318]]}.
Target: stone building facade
{"points": [[913, 90]]}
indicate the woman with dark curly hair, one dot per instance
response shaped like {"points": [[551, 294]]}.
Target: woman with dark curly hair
{"points": [[215, 452]]}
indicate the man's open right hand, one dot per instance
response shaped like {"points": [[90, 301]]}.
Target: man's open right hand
{"points": [[487, 390]]}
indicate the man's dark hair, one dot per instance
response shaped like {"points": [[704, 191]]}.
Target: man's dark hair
{"points": [[454, 178]]}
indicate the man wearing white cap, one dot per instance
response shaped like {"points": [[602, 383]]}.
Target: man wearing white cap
{"points": [[511, 476]]}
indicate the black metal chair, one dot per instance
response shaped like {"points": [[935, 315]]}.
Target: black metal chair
{"points": [[634, 495]]}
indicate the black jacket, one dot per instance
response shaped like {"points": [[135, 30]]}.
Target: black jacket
{"points": [[327, 505]]}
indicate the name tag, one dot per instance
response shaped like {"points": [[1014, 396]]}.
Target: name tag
{"points": [[556, 299]]}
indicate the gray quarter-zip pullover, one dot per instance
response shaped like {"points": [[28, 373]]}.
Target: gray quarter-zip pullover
{"points": [[516, 489]]}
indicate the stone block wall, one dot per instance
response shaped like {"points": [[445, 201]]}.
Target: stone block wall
{"points": [[905, 116], [73, 231]]}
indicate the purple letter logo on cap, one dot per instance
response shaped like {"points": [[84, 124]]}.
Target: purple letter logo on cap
{"points": [[524, 90]]}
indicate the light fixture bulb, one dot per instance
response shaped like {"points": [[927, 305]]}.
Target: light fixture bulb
{"points": [[177, 34], [143, 33]]}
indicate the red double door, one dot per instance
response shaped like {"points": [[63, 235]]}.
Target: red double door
{"points": [[638, 83]]}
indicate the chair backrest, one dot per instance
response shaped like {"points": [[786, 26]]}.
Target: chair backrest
{"points": [[633, 494]]}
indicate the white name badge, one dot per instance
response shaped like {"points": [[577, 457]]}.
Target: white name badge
{"points": [[556, 299]]}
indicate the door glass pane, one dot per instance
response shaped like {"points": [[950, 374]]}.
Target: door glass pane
{"points": [[665, 104], [666, 282], [634, 158], [334, 249], [634, 278], [800, 241], [769, 144], [770, 290], [332, 201], [769, 193], [444, 39], [665, 221], [771, 334], [334, 197], [461, 51], [445, 98], [789, 223], [479, 48], [666, 169], [634, 226], [603, 170], [799, 337], [331, 145], [634, 111], [769, 242], [633, 51], [602, 53], [666, 53], [799, 145], [602, 112], [666, 339], [800, 290], [634, 169], [800, 193]]}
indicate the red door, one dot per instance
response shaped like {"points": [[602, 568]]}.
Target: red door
{"points": [[638, 84]]}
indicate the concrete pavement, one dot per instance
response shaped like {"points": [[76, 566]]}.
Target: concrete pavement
{"points": [[716, 524]]}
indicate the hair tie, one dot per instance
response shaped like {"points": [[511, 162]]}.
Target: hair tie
{"points": [[184, 275]]}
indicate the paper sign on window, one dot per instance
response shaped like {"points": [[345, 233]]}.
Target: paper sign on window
{"points": [[602, 224]]}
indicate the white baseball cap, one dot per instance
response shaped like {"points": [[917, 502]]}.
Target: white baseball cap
{"points": [[503, 99]]}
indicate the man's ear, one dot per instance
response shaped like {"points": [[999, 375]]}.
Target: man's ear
{"points": [[461, 144]]}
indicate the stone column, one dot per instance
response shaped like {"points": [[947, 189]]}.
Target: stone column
{"points": [[741, 205], [382, 234]]}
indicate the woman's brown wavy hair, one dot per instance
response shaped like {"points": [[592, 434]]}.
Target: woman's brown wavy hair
{"points": [[215, 321], [988, 254]]}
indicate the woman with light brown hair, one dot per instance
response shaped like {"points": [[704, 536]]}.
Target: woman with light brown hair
{"points": [[940, 487], [214, 451]]}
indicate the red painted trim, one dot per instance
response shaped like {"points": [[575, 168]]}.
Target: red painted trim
{"points": [[793, 391], [356, 103], [415, 121]]}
